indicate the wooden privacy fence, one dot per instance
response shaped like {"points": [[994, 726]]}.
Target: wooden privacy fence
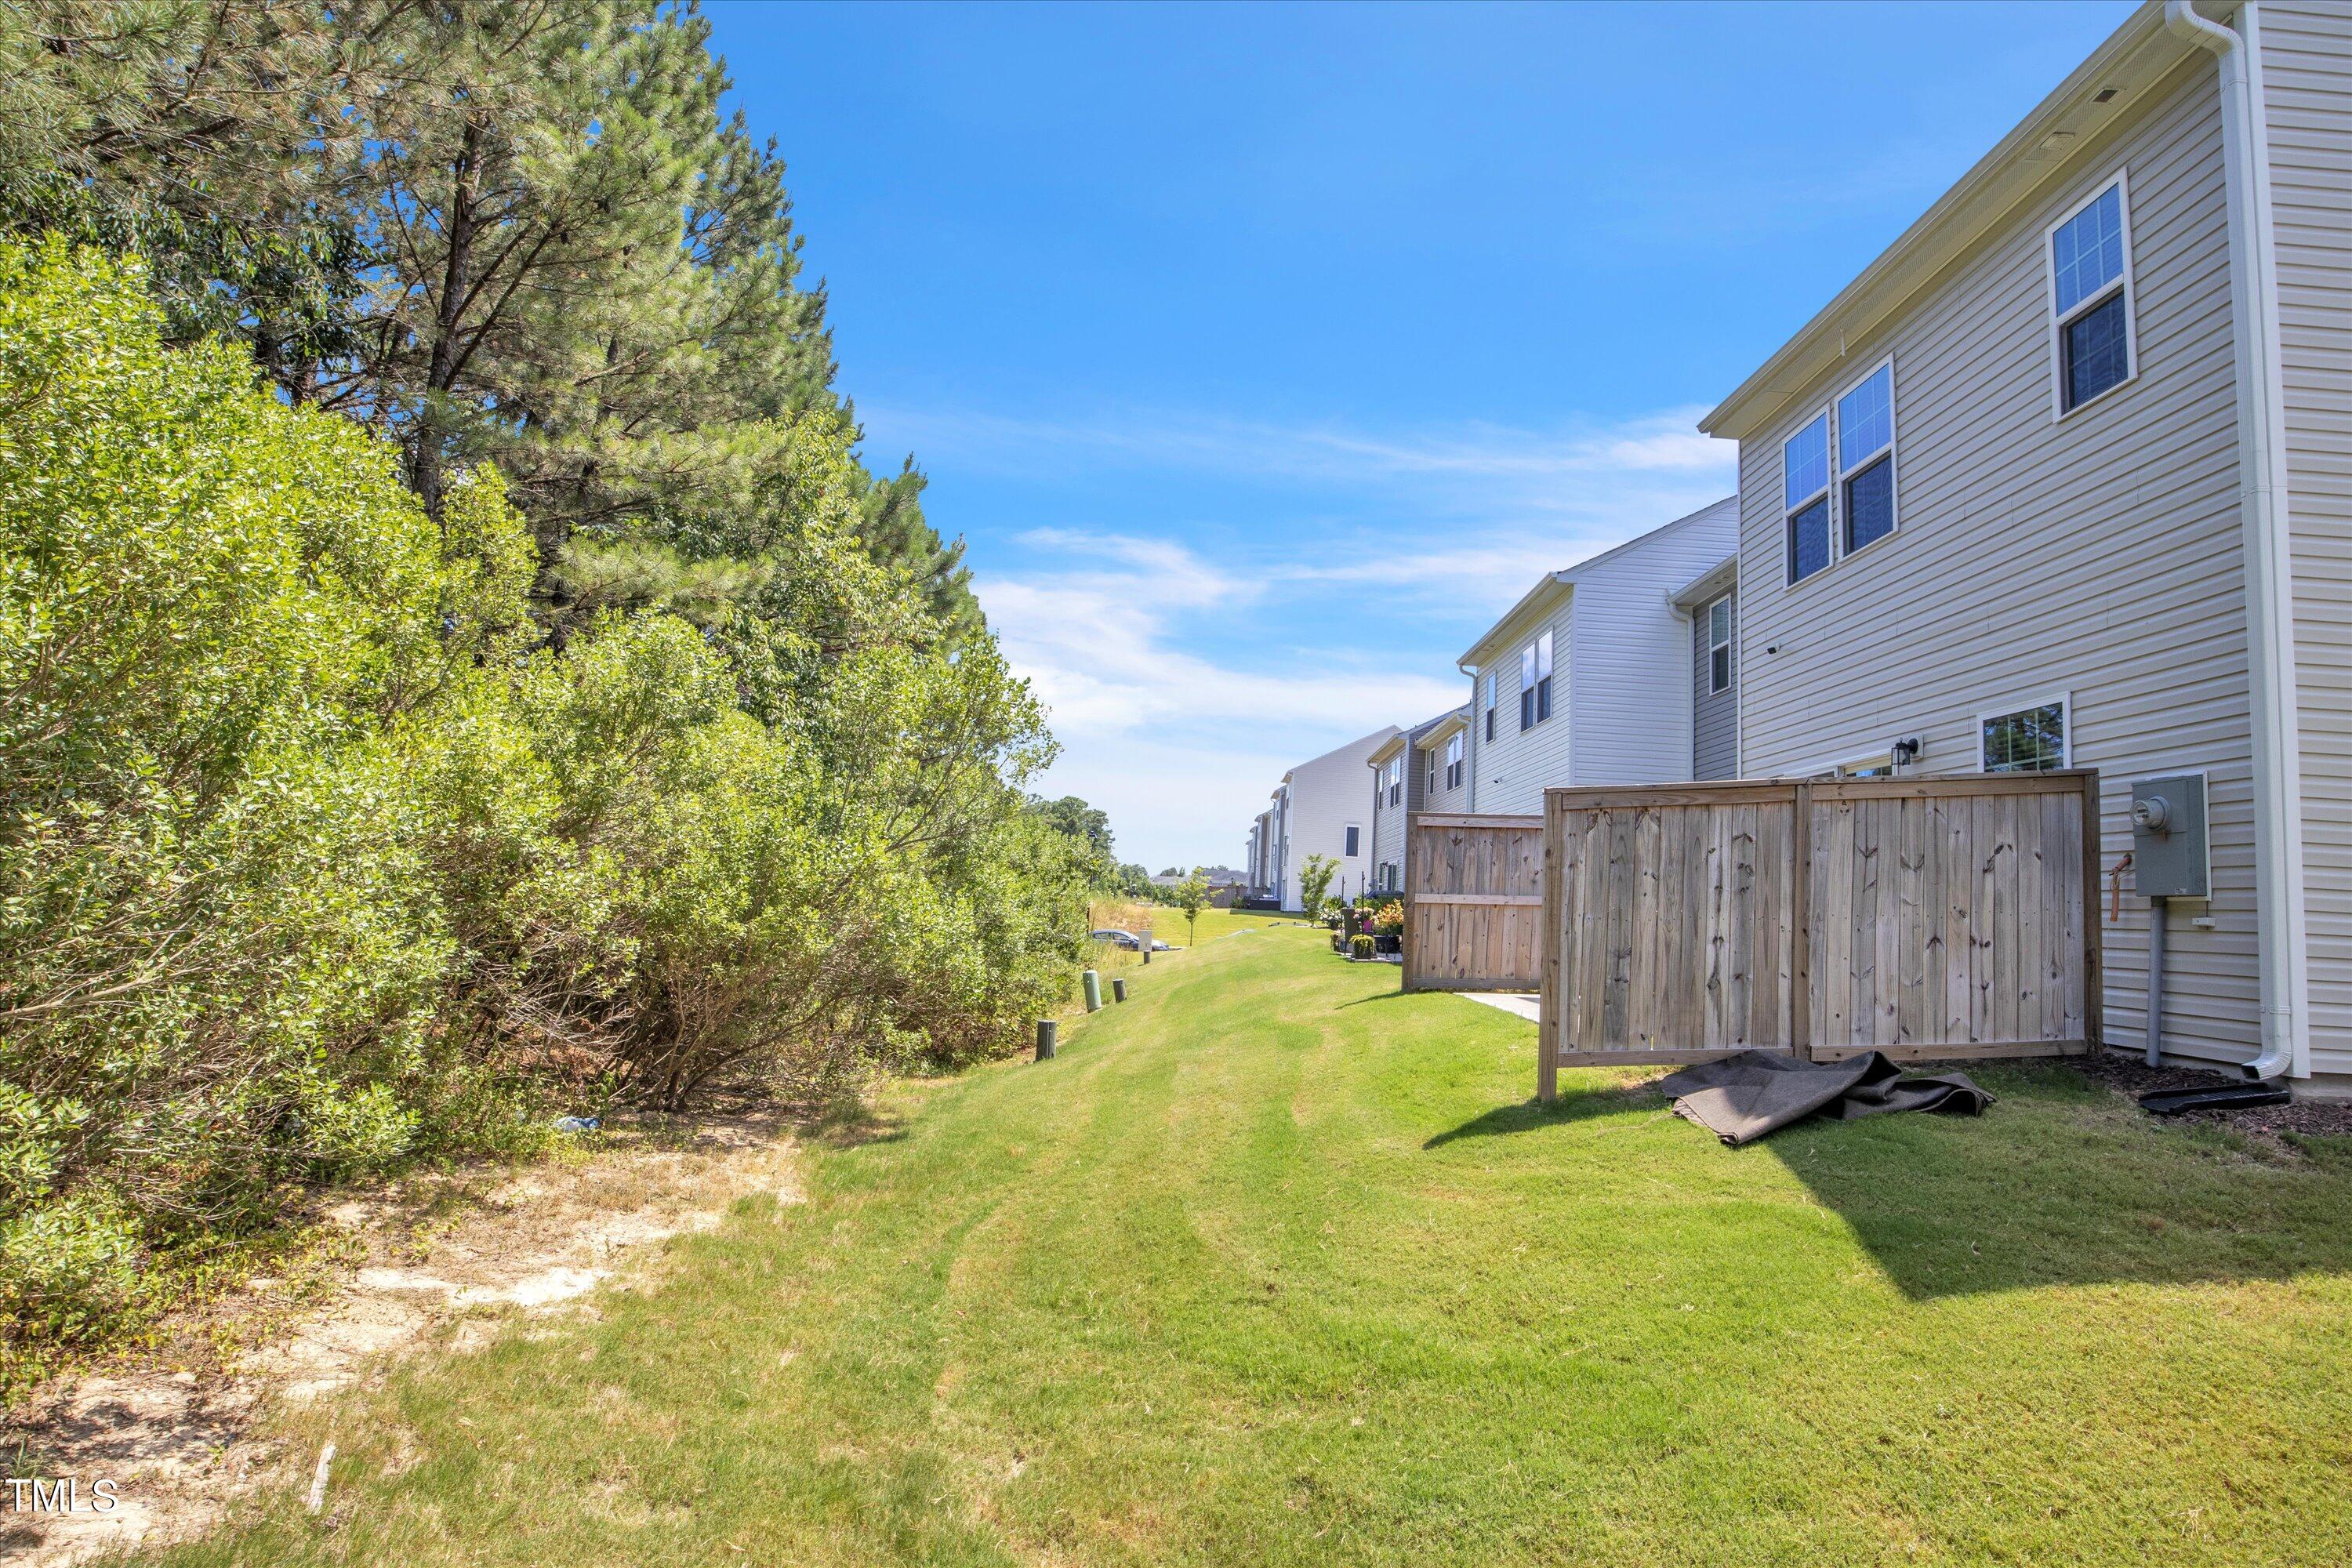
{"points": [[1473, 902], [1928, 918]]}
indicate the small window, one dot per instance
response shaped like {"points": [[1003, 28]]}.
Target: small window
{"points": [[2031, 740], [1352, 831], [1719, 644], [1395, 782], [1535, 682], [1429, 779], [1490, 705], [2090, 298], [1865, 418], [1453, 750], [1805, 498]]}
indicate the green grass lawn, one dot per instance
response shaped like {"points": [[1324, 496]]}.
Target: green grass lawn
{"points": [[1275, 1266]]}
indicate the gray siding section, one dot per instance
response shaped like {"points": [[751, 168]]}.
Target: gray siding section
{"points": [[2095, 556], [2307, 80], [1715, 715]]}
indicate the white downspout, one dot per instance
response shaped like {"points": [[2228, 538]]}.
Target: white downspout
{"points": [[2270, 585]]}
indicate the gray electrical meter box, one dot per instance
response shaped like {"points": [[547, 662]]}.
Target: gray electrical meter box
{"points": [[2169, 859]]}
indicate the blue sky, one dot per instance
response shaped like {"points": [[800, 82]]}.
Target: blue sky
{"points": [[1263, 355]]}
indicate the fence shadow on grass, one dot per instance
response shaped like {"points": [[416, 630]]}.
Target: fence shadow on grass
{"points": [[2063, 1183], [1573, 1105]]}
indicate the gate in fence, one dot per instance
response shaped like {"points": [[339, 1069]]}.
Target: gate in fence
{"points": [[1928, 918], [1473, 902]]}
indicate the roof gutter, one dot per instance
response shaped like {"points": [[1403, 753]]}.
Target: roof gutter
{"points": [[2266, 546]]}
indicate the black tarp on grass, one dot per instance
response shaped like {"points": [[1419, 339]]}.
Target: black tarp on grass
{"points": [[1742, 1098]]}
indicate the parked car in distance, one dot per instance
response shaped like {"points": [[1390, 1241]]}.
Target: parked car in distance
{"points": [[1126, 939]]}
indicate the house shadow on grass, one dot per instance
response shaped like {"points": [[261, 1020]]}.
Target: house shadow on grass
{"points": [[2063, 1182]]}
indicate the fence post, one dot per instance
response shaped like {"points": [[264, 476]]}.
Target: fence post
{"points": [[1405, 943], [1048, 1036], [1800, 921], [1547, 1007], [1118, 988], [2094, 979]]}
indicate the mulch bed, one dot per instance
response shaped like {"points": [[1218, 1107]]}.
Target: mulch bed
{"points": [[2130, 1075]]}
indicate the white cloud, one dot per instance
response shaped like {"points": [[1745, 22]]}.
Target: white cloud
{"points": [[1184, 679], [1568, 461]]}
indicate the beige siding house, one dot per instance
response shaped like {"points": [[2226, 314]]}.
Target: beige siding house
{"points": [[1586, 680], [2041, 485]]}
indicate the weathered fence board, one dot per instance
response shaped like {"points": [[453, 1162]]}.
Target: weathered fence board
{"points": [[1473, 902], [1924, 918]]}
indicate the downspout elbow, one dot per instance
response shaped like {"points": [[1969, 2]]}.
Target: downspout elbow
{"points": [[2182, 17]]}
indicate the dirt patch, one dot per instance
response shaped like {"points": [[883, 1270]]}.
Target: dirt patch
{"points": [[182, 1430], [2310, 1117]]}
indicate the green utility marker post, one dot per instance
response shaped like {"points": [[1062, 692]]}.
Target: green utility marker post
{"points": [[1048, 1036], [1092, 982], [1118, 990]]}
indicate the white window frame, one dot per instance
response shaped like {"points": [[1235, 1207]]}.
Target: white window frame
{"points": [[1839, 473], [1493, 685], [2062, 700], [1455, 753], [1827, 418], [2120, 183], [1724, 603], [1535, 680], [1392, 785]]}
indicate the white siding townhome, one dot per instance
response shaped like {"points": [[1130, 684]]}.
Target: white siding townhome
{"points": [[1319, 809], [1586, 680], [1425, 768], [2065, 477]]}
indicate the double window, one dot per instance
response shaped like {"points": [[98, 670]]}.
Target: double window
{"points": [[2090, 299], [1858, 431], [1535, 682], [1453, 750], [1719, 644], [2026, 740]]}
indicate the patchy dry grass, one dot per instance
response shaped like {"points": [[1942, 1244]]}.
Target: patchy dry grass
{"points": [[1274, 1266]]}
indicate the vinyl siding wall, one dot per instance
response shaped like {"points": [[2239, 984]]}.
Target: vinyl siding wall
{"points": [[1321, 799], [1388, 822], [1715, 715], [2098, 555], [1442, 798], [2307, 81], [1631, 654], [1510, 773]]}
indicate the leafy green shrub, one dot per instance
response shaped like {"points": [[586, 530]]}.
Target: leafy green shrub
{"points": [[319, 855]]}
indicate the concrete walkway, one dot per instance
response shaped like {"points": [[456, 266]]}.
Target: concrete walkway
{"points": [[1525, 1004]]}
